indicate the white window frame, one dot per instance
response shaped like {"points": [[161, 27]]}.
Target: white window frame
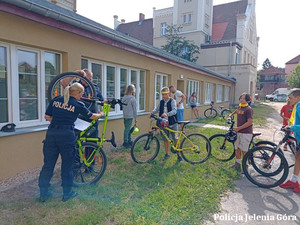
{"points": [[189, 18], [219, 93], [209, 93], [161, 85], [163, 29], [184, 19], [13, 84], [192, 86], [227, 94]]}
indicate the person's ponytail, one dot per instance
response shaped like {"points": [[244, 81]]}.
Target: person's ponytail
{"points": [[66, 95]]}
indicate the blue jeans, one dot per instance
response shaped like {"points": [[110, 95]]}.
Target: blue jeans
{"points": [[127, 125], [180, 114]]}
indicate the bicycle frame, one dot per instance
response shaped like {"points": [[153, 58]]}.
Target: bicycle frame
{"points": [[88, 161]]}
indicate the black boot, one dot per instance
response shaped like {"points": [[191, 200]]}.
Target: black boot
{"points": [[44, 194], [68, 194]]}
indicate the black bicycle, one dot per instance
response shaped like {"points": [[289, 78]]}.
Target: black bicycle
{"points": [[213, 111], [222, 145], [266, 166]]}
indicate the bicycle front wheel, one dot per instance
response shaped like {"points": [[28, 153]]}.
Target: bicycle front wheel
{"points": [[210, 113], [195, 148], [145, 148], [83, 174], [225, 113], [221, 148], [62, 80], [265, 167]]}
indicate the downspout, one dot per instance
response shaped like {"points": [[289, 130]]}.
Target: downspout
{"points": [[230, 58]]}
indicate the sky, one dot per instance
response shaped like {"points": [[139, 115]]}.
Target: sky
{"points": [[276, 20]]}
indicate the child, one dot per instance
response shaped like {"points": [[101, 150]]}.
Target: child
{"points": [[129, 113], [294, 98], [167, 109], [285, 113], [193, 101]]}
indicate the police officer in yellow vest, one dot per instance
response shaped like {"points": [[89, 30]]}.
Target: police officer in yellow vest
{"points": [[60, 139]]}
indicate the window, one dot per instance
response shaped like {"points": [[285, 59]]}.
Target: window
{"points": [[184, 19], [193, 86], [206, 20], [3, 86], [219, 93], [160, 82], [190, 18], [187, 18], [209, 93], [24, 81], [237, 55], [185, 51], [227, 93], [114, 79], [163, 29]]}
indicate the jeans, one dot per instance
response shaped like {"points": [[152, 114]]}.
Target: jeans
{"points": [[127, 125]]}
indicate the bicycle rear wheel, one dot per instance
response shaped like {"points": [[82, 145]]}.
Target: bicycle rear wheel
{"points": [[195, 148], [85, 175], [221, 148], [265, 167], [210, 113], [145, 148], [56, 88]]}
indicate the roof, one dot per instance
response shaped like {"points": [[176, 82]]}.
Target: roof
{"points": [[50, 14], [272, 71], [295, 60], [142, 30], [225, 21]]}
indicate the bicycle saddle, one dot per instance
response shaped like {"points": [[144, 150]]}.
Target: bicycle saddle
{"points": [[184, 122], [256, 134]]}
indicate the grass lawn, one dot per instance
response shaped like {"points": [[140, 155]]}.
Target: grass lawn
{"points": [[261, 113], [129, 193]]}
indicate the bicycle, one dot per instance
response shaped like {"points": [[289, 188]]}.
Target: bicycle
{"points": [[195, 148], [90, 160], [213, 111], [222, 145], [268, 167]]}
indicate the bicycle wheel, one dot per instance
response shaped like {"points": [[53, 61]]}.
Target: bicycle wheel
{"points": [[145, 148], [56, 89], [225, 113], [221, 148], [195, 148], [266, 143], [265, 167], [84, 175], [210, 113]]}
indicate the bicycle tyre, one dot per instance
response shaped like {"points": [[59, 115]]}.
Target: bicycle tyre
{"points": [[210, 113], [221, 148], [55, 88], [265, 143], [248, 158], [84, 175], [225, 113], [138, 152], [192, 156]]}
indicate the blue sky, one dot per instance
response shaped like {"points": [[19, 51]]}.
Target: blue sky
{"points": [[276, 21]]}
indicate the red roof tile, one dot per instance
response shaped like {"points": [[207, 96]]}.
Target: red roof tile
{"points": [[226, 13], [218, 30], [141, 30], [272, 71], [295, 60]]}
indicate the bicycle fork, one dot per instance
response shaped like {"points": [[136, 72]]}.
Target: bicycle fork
{"points": [[148, 142]]}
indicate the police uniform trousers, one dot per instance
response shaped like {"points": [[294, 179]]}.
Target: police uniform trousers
{"points": [[60, 140]]}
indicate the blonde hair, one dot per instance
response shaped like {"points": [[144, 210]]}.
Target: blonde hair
{"points": [[70, 89], [130, 90], [165, 89]]}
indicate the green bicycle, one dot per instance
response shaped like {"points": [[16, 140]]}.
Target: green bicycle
{"points": [[90, 160], [195, 148]]}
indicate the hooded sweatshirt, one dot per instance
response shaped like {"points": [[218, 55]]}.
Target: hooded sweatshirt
{"points": [[129, 110]]}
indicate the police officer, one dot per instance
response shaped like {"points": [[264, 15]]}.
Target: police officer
{"points": [[60, 139]]}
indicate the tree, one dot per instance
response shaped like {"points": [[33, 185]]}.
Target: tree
{"points": [[266, 64], [294, 79], [178, 45]]}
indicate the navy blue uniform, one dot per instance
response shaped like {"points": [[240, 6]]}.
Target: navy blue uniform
{"points": [[60, 139]]}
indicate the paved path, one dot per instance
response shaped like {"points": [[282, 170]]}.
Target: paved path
{"points": [[250, 204]]}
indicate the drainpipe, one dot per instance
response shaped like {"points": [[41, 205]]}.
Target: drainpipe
{"points": [[230, 58]]}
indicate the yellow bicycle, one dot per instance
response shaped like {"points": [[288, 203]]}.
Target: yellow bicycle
{"points": [[194, 148]]}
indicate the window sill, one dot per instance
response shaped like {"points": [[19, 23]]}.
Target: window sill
{"points": [[45, 127]]}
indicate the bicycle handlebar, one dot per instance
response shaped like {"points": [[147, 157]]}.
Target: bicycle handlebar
{"points": [[112, 102], [154, 116]]}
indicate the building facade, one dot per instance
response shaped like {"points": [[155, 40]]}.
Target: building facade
{"points": [[291, 64], [58, 40]]}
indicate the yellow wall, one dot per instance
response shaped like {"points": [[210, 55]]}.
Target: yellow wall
{"points": [[21, 152]]}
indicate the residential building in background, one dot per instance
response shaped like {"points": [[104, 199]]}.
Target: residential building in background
{"points": [[271, 79], [67, 4], [290, 65], [226, 34]]}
